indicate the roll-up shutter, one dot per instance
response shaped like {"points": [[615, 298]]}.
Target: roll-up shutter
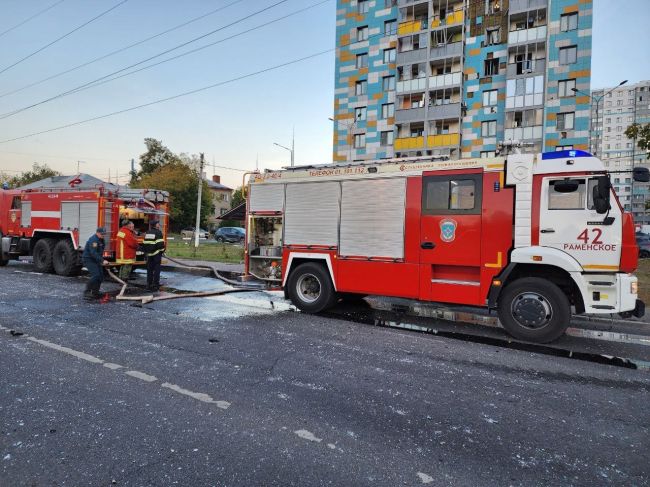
{"points": [[26, 214], [372, 218], [69, 215], [267, 197], [311, 213], [87, 221]]}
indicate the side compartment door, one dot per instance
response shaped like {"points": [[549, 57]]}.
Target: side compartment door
{"points": [[450, 236], [569, 222]]}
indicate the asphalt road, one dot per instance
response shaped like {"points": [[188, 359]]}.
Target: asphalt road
{"points": [[243, 391]]}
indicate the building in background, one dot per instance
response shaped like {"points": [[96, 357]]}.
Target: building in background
{"points": [[221, 196], [457, 77], [618, 109]]}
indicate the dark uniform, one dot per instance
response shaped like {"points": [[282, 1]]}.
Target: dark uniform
{"points": [[154, 246], [93, 257]]}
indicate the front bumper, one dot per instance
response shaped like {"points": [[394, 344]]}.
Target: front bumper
{"points": [[609, 293]]}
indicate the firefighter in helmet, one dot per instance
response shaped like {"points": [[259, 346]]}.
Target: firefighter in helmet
{"points": [[93, 259], [154, 246], [127, 246]]}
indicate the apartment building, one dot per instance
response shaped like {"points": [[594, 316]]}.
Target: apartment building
{"points": [[221, 196], [613, 110], [455, 78]]}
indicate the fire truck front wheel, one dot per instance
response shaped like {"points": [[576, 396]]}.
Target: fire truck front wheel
{"points": [[534, 309], [310, 288], [43, 252]]}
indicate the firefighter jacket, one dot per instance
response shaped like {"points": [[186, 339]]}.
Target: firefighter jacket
{"points": [[94, 250], [154, 243], [127, 245]]}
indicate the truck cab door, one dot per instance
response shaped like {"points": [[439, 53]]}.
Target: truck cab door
{"points": [[15, 217], [569, 222], [450, 236]]}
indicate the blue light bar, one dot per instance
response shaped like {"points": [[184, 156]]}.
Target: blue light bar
{"points": [[565, 154]]}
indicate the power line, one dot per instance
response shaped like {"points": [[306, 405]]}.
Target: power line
{"points": [[117, 51], [186, 53], [80, 87], [31, 18], [63, 36]]}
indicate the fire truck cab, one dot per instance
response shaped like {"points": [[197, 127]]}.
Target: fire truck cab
{"points": [[51, 220], [533, 236]]}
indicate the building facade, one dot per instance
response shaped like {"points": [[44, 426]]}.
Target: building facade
{"points": [[613, 110], [221, 196], [457, 77]]}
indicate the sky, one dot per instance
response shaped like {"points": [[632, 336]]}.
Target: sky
{"points": [[234, 124]]}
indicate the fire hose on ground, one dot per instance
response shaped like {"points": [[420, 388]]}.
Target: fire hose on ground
{"points": [[202, 294]]}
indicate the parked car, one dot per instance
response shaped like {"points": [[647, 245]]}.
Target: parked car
{"points": [[189, 233], [643, 241], [230, 234]]}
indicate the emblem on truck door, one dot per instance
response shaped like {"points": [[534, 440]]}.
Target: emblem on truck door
{"points": [[448, 230]]}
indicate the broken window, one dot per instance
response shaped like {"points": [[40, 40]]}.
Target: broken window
{"points": [[491, 67]]}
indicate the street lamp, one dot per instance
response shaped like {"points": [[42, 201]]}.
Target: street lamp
{"points": [[598, 100], [79, 162], [350, 127], [292, 150]]}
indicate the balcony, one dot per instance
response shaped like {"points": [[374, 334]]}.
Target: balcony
{"points": [[417, 84], [411, 27], [517, 6], [535, 66], [413, 56], [441, 112], [443, 140], [446, 50], [405, 143], [527, 35], [453, 18], [409, 115], [445, 80], [523, 133]]}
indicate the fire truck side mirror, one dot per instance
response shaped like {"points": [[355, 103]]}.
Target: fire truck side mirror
{"points": [[601, 195], [641, 174]]}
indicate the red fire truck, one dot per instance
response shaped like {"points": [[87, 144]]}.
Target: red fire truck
{"points": [[531, 236], [51, 220]]}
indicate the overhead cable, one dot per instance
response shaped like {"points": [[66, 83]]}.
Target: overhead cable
{"points": [[122, 49], [63, 36], [80, 87], [40, 12]]}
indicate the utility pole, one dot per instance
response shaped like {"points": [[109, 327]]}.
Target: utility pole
{"points": [[198, 205]]}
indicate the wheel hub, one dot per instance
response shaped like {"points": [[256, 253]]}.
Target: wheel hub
{"points": [[308, 288], [532, 310]]}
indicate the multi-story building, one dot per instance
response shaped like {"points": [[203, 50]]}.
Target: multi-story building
{"points": [[221, 196], [613, 110], [457, 77]]}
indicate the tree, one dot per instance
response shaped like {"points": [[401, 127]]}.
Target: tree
{"points": [[181, 181], [38, 172], [237, 197], [156, 156], [641, 134]]}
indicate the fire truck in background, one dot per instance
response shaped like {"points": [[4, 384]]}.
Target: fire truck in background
{"points": [[52, 219], [531, 236]]}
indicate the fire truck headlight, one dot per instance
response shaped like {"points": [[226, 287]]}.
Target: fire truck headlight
{"points": [[634, 287]]}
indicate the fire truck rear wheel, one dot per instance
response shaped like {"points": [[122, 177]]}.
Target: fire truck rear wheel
{"points": [[43, 252], [534, 309], [65, 259], [3, 262], [310, 288]]}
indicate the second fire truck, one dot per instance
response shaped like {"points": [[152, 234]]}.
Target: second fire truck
{"points": [[532, 236]]}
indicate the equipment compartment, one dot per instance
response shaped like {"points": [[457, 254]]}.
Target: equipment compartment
{"points": [[265, 247]]}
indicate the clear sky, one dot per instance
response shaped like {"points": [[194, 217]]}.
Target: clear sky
{"points": [[232, 124]]}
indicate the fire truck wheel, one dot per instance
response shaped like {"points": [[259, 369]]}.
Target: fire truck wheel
{"points": [[310, 288], [43, 251], [65, 259], [2, 261], [534, 309]]}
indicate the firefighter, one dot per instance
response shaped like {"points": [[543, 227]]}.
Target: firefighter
{"points": [[154, 246], [127, 245], [93, 259]]}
